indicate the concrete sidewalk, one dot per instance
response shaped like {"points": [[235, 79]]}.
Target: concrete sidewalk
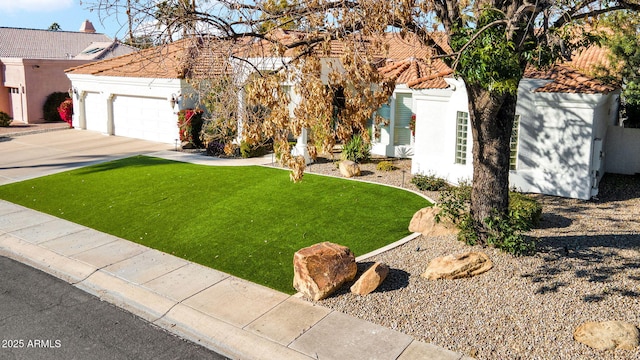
{"points": [[231, 316], [236, 318]]}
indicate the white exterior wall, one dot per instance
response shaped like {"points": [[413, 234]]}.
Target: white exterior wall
{"points": [[621, 149], [557, 141], [435, 140], [560, 137], [130, 107]]}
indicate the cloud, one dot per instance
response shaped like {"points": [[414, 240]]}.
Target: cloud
{"points": [[36, 5]]}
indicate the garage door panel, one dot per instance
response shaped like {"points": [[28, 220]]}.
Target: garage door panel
{"points": [[96, 112], [144, 118]]}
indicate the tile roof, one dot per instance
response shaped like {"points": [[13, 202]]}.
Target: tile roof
{"points": [[178, 60], [576, 75], [408, 62], [566, 79], [418, 73], [44, 44]]}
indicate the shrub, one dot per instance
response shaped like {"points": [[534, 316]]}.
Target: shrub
{"points": [[51, 105], [277, 148], [385, 166], [429, 182], [248, 151], [524, 209], [65, 110], [5, 119], [505, 233], [215, 148], [190, 124], [356, 149]]}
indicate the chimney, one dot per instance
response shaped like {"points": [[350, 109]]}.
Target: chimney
{"points": [[87, 27]]}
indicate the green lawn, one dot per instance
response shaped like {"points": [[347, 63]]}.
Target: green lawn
{"points": [[247, 221]]}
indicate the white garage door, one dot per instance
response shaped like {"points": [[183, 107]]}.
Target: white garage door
{"points": [[96, 112], [145, 118]]}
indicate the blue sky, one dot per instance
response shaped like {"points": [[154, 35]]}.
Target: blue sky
{"points": [[69, 14]]}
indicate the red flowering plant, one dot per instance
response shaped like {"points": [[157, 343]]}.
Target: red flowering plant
{"points": [[189, 126], [66, 111]]}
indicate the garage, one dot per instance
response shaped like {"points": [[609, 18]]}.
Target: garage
{"points": [[137, 95], [144, 118]]}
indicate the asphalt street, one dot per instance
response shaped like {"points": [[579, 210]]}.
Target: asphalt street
{"points": [[42, 317]]}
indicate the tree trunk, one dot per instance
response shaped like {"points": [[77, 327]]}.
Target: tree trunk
{"points": [[491, 115]]}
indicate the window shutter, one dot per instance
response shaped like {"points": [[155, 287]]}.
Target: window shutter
{"points": [[402, 132]]}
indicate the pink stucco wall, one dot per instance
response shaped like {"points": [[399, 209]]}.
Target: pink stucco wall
{"points": [[35, 79]]}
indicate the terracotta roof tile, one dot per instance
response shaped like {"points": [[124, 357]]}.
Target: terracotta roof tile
{"points": [[567, 79], [407, 61], [181, 59], [418, 73]]}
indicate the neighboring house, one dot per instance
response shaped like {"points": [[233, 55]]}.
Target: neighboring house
{"points": [[32, 64]]}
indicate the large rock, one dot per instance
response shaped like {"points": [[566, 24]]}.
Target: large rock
{"points": [[370, 279], [321, 269], [424, 222], [349, 168], [608, 335], [458, 266]]}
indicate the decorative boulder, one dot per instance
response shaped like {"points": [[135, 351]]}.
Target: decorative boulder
{"points": [[321, 269], [458, 266], [608, 335], [349, 168], [370, 279], [424, 222]]}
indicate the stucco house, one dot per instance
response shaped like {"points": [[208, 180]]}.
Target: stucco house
{"points": [[564, 125], [563, 118], [32, 64]]}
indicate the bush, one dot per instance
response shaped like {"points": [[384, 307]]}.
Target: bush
{"points": [[524, 209], [190, 125], [505, 233], [5, 119], [385, 166], [51, 105], [278, 150], [429, 182], [215, 148], [248, 151], [356, 149], [65, 110]]}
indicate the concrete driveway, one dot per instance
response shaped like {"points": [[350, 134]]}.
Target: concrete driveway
{"points": [[29, 156]]}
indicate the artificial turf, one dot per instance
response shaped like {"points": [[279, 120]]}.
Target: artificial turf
{"points": [[246, 221]]}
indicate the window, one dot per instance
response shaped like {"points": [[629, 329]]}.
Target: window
{"points": [[384, 112], [13, 90], [93, 50], [513, 144], [403, 113], [462, 120]]}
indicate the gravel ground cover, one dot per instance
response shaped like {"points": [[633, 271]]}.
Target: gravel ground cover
{"points": [[587, 269]]}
